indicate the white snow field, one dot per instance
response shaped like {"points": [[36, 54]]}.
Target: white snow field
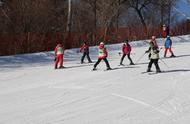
{"points": [[32, 92]]}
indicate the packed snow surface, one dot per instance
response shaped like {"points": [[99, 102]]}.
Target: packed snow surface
{"points": [[32, 92]]}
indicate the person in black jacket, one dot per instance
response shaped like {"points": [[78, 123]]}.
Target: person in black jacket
{"points": [[85, 50]]}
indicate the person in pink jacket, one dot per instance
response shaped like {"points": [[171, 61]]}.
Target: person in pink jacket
{"points": [[126, 49], [59, 52], [102, 56]]}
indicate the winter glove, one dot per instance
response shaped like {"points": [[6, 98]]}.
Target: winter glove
{"points": [[149, 56], [156, 51]]}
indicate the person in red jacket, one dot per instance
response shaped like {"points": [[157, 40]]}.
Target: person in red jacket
{"points": [[59, 52], [126, 49], [85, 50], [102, 56], [165, 31]]}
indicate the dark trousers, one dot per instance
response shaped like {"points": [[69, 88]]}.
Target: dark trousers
{"points": [[99, 60], [155, 61], [83, 56], [122, 58]]}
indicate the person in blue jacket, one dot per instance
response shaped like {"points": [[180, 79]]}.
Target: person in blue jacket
{"points": [[168, 46]]}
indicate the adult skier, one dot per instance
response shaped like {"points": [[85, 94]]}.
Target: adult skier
{"points": [[85, 50], [168, 46], [102, 56], [126, 50], [59, 52], [154, 57], [165, 31]]}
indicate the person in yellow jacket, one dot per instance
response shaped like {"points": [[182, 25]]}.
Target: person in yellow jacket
{"points": [[154, 57]]}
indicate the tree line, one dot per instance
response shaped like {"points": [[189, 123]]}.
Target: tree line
{"points": [[36, 25]]}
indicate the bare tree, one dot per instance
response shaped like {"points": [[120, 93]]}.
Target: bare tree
{"points": [[139, 6]]}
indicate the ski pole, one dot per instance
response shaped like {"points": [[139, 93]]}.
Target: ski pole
{"points": [[140, 58], [164, 63]]}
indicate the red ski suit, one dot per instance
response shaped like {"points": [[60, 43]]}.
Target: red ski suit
{"points": [[84, 48], [59, 52], [164, 31], [126, 49], [102, 52]]}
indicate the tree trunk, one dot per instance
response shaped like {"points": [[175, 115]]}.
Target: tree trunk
{"points": [[118, 13], [169, 17], [162, 13], [69, 19], [69, 16], [95, 20], [142, 20]]}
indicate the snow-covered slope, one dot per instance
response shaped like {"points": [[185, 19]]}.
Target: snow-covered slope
{"points": [[32, 92]]}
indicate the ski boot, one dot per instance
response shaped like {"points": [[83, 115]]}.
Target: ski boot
{"points": [[158, 71], [148, 70], [109, 68], [121, 64], [172, 55], [61, 67], [131, 63]]}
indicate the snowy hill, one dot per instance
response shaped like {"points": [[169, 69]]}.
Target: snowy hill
{"points": [[32, 92]]}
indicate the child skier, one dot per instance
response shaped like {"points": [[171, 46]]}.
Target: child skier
{"points": [[126, 49], [168, 46], [59, 52], [153, 40], [85, 50], [154, 57], [102, 56]]}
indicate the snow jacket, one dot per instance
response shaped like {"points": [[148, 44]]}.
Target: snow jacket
{"points": [[168, 43], [59, 50], [102, 52], [126, 49], [154, 52], [84, 48], [165, 32], [154, 43]]}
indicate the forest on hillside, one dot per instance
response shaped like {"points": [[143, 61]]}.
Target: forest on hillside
{"points": [[36, 25]]}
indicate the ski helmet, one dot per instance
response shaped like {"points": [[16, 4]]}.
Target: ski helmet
{"points": [[101, 43], [153, 37]]}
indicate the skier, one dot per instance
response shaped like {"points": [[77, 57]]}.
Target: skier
{"points": [[168, 46], [126, 49], [154, 57], [102, 56], [59, 52], [165, 31], [153, 40], [85, 50]]}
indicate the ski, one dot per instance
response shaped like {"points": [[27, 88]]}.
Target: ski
{"points": [[121, 65], [152, 72]]}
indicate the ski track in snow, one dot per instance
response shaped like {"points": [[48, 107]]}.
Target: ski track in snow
{"points": [[36, 94]]}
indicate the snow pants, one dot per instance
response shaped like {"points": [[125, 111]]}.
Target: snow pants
{"points": [[105, 60], [122, 58], [59, 59], [88, 57], [166, 50], [155, 61]]}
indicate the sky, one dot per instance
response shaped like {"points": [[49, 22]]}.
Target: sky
{"points": [[184, 7]]}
